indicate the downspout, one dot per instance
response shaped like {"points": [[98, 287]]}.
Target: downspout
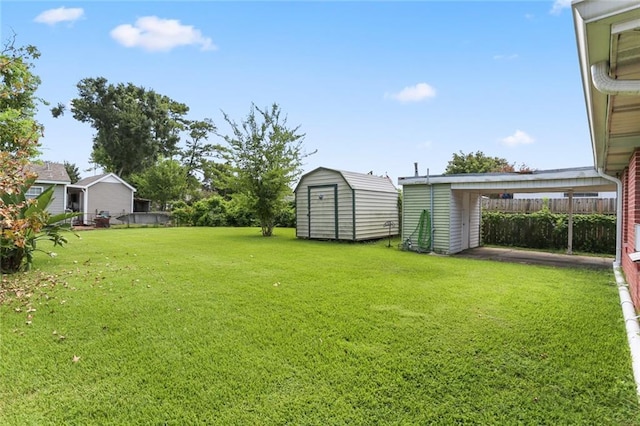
{"points": [[610, 86], [432, 230], [617, 262]]}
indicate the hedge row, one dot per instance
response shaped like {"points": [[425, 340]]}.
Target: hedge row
{"points": [[592, 233]]}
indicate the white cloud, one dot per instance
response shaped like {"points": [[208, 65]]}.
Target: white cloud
{"points": [[155, 34], [518, 138], [558, 5], [61, 14], [505, 57], [417, 93]]}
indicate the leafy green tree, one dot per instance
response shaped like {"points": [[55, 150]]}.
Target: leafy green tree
{"points": [[22, 221], [197, 151], [477, 162], [210, 212], [163, 182], [266, 158], [134, 126], [19, 132], [72, 171], [219, 178]]}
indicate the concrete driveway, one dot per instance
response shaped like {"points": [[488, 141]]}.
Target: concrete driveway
{"points": [[537, 258]]}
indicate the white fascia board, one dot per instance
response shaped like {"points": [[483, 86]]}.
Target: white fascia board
{"points": [[596, 10], [51, 182], [500, 177]]}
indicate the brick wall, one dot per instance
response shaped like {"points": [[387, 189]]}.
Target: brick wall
{"points": [[631, 217]]}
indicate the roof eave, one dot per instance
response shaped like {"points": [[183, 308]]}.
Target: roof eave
{"points": [[592, 21]]}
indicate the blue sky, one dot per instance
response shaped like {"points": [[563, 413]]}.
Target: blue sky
{"points": [[376, 86]]}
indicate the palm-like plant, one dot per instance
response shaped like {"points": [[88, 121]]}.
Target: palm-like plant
{"points": [[25, 221]]}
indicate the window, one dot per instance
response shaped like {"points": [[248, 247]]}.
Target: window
{"points": [[33, 192]]}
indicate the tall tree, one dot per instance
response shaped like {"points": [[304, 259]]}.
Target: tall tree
{"points": [[23, 221], [197, 151], [218, 178], [163, 182], [134, 126], [477, 162], [72, 171], [266, 156]]}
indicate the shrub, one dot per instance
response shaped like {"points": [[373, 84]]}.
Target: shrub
{"points": [[29, 222], [210, 212], [593, 233], [286, 218]]}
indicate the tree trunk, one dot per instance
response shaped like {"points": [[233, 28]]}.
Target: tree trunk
{"points": [[11, 260]]}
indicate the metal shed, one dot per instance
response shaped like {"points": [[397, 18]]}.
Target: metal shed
{"points": [[340, 205], [446, 210]]}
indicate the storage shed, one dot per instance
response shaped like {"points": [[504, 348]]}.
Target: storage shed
{"points": [[443, 213], [106, 193], [340, 205]]}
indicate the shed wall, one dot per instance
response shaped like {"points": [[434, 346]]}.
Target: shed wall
{"points": [[373, 209], [112, 197], [417, 198], [441, 218], [475, 221]]}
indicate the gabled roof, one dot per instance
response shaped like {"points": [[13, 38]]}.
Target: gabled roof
{"points": [[108, 177], [359, 181], [49, 172]]}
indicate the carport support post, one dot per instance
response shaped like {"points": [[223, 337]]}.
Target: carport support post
{"points": [[570, 225]]}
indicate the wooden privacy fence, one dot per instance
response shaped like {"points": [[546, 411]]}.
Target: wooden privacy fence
{"points": [[555, 205]]}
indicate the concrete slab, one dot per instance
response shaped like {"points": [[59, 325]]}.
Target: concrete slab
{"points": [[537, 257]]}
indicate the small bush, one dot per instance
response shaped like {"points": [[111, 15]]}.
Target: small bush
{"points": [[210, 212]]}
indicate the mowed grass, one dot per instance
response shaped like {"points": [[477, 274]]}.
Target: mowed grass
{"points": [[221, 326]]}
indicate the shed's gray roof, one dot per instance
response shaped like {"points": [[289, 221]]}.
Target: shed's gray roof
{"points": [[89, 180], [92, 180], [51, 172], [360, 181]]}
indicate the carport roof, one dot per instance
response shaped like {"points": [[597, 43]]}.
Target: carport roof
{"points": [[578, 179]]}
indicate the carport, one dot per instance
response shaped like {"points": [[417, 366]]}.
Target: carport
{"points": [[452, 203]]}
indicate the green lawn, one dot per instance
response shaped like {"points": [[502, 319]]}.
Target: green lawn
{"points": [[221, 326]]}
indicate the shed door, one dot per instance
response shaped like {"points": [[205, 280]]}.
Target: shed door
{"points": [[323, 212]]}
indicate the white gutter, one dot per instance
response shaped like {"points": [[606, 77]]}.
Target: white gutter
{"points": [[631, 324], [609, 86], [618, 260]]}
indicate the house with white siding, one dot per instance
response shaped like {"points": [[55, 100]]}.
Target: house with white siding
{"points": [[340, 205], [443, 213], [107, 194], [50, 174]]}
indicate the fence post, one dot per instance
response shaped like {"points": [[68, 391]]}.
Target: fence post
{"points": [[570, 225]]}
